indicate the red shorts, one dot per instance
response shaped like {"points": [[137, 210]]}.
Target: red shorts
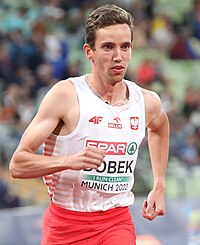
{"points": [[65, 227]]}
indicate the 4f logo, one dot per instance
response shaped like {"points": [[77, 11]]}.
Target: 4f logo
{"points": [[134, 123], [96, 119]]}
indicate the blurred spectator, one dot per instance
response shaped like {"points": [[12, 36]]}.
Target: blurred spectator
{"points": [[196, 19], [45, 79], [197, 132], [188, 152], [182, 46], [192, 19], [150, 71], [195, 115], [162, 32], [146, 73], [168, 102], [56, 53], [191, 101], [5, 68], [7, 200]]}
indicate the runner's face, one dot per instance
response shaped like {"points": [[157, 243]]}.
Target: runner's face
{"points": [[112, 52]]}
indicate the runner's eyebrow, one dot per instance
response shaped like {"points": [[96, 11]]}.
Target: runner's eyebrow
{"points": [[107, 43], [111, 43]]}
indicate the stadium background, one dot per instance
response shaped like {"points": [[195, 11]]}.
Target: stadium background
{"points": [[41, 43]]}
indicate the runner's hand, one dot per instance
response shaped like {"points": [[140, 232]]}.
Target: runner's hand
{"points": [[153, 206], [88, 158]]}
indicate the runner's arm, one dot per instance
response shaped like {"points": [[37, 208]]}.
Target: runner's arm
{"points": [[25, 163], [158, 141]]}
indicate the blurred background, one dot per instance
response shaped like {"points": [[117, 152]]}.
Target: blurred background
{"points": [[41, 43]]}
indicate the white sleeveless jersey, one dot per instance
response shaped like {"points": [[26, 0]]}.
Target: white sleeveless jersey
{"points": [[119, 131]]}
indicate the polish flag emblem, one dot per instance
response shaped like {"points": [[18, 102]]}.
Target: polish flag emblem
{"points": [[134, 123]]}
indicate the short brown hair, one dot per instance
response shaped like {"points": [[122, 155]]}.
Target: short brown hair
{"points": [[103, 16]]}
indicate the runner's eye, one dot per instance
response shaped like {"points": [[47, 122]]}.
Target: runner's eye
{"points": [[107, 47], [126, 47]]}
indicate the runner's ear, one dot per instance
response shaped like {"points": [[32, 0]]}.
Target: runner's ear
{"points": [[88, 51]]}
